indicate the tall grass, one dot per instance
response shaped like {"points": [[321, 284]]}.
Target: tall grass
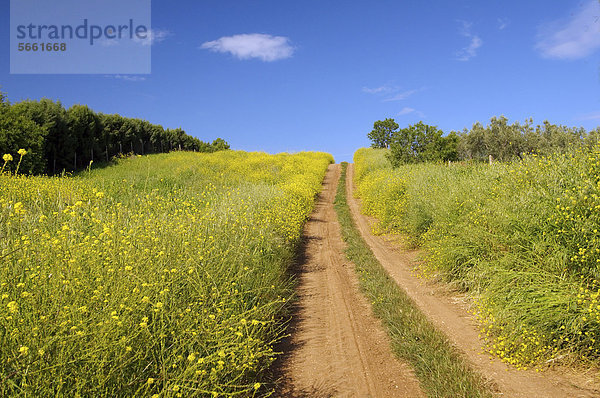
{"points": [[162, 276], [522, 238]]}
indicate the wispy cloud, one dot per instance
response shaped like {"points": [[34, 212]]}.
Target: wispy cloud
{"points": [[390, 92], [379, 90], [574, 37], [153, 37], [254, 45], [407, 111], [401, 96], [503, 23], [475, 42]]}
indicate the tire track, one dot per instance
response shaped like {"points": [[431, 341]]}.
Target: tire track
{"points": [[452, 318], [337, 347]]}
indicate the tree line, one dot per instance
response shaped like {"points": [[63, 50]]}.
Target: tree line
{"points": [[59, 139], [499, 139]]}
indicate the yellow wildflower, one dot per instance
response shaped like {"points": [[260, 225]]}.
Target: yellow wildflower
{"points": [[13, 307]]}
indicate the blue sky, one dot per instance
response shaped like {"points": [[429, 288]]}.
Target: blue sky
{"points": [[314, 75]]}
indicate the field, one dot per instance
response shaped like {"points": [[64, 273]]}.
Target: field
{"points": [[163, 275], [169, 275], [521, 238]]}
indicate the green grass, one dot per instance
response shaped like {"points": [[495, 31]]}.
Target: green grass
{"points": [[522, 238], [440, 368], [164, 275]]}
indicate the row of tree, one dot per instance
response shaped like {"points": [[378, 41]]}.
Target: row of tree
{"points": [[499, 139], [58, 139]]}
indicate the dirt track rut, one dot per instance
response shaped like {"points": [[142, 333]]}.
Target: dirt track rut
{"points": [[337, 347], [448, 313]]}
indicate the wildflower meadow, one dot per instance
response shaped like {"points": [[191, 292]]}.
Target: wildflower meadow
{"points": [[163, 275]]}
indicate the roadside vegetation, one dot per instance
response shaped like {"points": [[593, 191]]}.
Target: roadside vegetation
{"points": [[438, 366], [162, 276], [521, 237]]}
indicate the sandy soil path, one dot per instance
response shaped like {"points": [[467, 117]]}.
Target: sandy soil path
{"points": [[448, 312], [336, 346]]}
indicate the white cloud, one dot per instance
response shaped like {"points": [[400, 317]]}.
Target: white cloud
{"points": [[407, 110], [153, 37], [575, 37], [469, 51], [390, 92], [401, 96], [503, 23], [465, 28], [378, 90], [254, 45]]}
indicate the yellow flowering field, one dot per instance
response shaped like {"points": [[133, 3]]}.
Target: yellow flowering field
{"points": [[164, 275], [522, 238]]}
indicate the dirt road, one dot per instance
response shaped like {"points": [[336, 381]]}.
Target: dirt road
{"points": [[337, 348], [448, 312]]}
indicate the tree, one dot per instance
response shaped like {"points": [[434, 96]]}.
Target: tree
{"points": [[85, 128], [382, 133], [3, 102], [472, 143], [421, 143], [503, 141], [428, 142], [448, 147], [558, 138], [19, 132], [157, 138], [402, 147], [59, 144], [593, 138], [219, 145], [109, 141], [57, 139]]}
